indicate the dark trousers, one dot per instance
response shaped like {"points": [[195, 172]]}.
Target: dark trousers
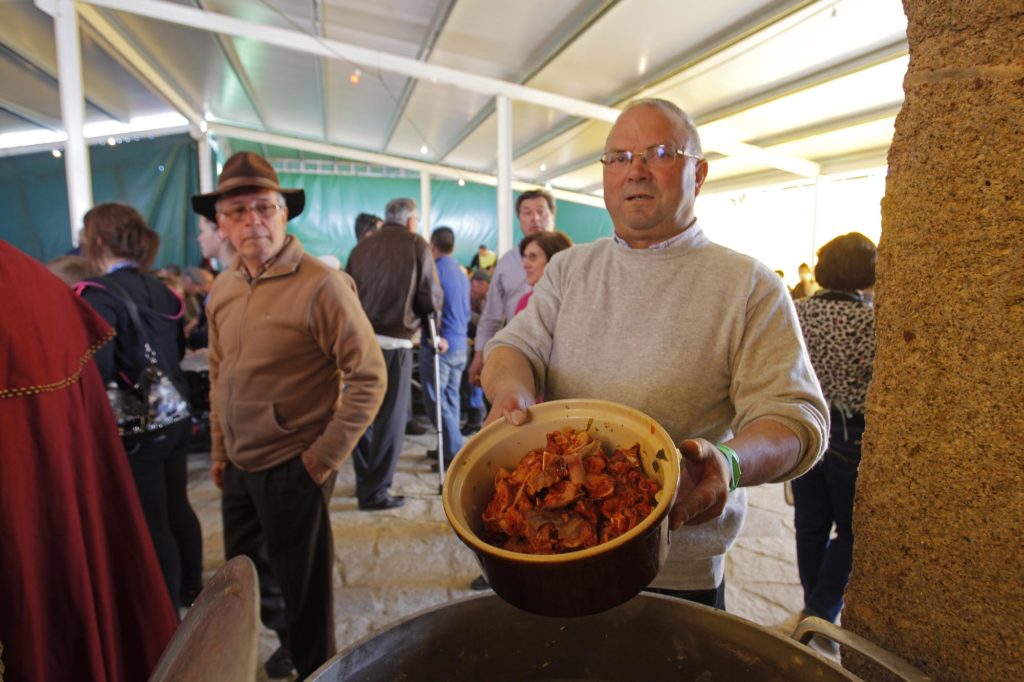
{"points": [[157, 461], [279, 518], [714, 598], [376, 455], [823, 497]]}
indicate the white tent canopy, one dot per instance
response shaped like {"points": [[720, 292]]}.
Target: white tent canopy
{"points": [[504, 93]]}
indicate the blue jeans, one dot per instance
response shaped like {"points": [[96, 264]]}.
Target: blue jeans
{"points": [[453, 364], [823, 497]]}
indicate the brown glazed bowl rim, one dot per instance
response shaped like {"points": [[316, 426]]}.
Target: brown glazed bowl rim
{"points": [[603, 416]]}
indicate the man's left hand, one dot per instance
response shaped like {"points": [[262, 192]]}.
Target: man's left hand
{"points": [[316, 470], [442, 345], [703, 484]]}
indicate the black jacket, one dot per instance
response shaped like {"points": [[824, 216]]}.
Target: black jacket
{"points": [[397, 280], [124, 359]]}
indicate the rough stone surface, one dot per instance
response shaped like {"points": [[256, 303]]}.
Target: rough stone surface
{"points": [[937, 574]]}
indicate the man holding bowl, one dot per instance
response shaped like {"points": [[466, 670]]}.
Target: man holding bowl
{"points": [[703, 339]]}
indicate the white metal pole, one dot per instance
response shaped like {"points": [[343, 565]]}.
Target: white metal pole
{"points": [[425, 204], [504, 109], [72, 107], [814, 221], [205, 164]]}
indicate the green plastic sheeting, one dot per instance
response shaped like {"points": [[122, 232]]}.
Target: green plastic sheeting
{"points": [[156, 176], [333, 202]]}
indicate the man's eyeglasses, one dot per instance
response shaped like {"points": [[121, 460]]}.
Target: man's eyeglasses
{"points": [[657, 155], [263, 209]]}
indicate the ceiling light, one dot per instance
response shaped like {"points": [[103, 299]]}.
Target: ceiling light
{"points": [[355, 77], [641, 68], [111, 141], [57, 153], [543, 167], [547, 186], [424, 150], [462, 183], [202, 126]]}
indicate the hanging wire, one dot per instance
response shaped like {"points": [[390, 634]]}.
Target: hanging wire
{"points": [[373, 69]]}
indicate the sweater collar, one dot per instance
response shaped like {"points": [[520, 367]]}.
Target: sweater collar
{"points": [[690, 237]]}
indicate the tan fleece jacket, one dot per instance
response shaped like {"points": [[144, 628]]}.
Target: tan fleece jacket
{"points": [[281, 347]]}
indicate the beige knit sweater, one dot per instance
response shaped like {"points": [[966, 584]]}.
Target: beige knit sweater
{"points": [[703, 339]]}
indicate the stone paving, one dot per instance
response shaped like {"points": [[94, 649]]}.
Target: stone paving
{"points": [[391, 564]]}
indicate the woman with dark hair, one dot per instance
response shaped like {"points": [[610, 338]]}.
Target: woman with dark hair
{"points": [[118, 242], [839, 328], [536, 250]]}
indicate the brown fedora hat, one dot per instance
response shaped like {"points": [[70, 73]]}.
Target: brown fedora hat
{"points": [[246, 170]]}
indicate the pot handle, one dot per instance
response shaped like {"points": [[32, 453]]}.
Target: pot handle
{"points": [[811, 626]]}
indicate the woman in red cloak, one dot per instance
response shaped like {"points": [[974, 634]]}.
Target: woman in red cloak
{"points": [[81, 592]]}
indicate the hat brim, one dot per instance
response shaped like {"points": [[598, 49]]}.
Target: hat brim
{"points": [[206, 204]]}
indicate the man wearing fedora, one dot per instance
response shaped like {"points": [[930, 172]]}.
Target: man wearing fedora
{"points": [[286, 333]]}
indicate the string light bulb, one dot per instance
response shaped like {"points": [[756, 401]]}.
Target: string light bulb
{"points": [[57, 153], [424, 150], [543, 167], [462, 183], [355, 77]]}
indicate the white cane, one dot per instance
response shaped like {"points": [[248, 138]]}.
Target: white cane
{"points": [[435, 341]]}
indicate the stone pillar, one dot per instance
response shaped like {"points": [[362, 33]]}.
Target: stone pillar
{"points": [[938, 575]]}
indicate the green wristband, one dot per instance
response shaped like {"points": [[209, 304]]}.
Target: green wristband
{"points": [[734, 465]]}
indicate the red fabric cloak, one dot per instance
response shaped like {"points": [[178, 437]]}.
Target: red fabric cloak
{"points": [[81, 593]]}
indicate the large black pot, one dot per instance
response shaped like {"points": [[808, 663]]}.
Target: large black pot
{"points": [[648, 638]]}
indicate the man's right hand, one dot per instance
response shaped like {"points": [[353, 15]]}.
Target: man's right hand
{"points": [[513, 406], [217, 473], [476, 366], [508, 382]]}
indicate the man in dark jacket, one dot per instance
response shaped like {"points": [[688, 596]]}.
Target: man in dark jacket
{"points": [[398, 288]]}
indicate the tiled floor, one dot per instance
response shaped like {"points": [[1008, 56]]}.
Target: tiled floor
{"points": [[393, 563]]}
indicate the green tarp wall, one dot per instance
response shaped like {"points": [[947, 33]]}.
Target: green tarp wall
{"points": [[333, 202], [158, 176]]}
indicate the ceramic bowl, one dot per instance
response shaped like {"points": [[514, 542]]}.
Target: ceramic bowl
{"points": [[575, 583]]}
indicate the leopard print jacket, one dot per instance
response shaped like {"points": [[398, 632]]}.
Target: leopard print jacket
{"points": [[839, 330]]}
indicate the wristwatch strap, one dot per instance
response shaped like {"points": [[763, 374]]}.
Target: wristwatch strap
{"points": [[734, 465]]}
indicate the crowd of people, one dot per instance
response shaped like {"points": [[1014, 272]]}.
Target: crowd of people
{"points": [[309, 364]]}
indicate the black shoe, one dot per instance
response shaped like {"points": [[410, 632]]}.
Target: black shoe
{"points": [[386, 502], [474, 421], [414, 428], [479, 584], [279, 664], [188, 597], [431, 454]]}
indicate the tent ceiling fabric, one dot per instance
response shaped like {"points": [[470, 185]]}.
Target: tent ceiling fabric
{"points": [[819, 80]]}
